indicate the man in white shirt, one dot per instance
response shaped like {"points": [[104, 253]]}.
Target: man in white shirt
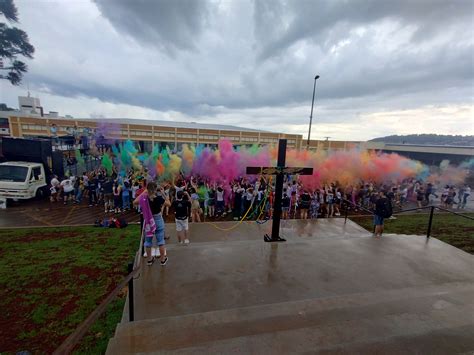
{"points": [[68, 189]]}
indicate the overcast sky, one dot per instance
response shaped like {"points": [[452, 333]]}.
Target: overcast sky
{"points": [[386, 67]]}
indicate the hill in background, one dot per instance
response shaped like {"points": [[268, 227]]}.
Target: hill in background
{"points": [[435, 139]]}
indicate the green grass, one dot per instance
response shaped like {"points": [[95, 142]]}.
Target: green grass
{"points": [[449, 228], [51, 279]]}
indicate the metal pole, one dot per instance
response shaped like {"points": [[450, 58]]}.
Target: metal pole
{"points": [[131, 309], [347, 211], [428, 233], [311, 116], [278, 190]]}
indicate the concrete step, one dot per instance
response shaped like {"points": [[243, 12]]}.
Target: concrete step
{"points": [[356, 320]]}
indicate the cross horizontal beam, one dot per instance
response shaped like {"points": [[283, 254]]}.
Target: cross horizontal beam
{"points": [[275, 170]]}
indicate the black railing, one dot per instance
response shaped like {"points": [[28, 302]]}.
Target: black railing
{"points": [[72, 340], [431, 214]]}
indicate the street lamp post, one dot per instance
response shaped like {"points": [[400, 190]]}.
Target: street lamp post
{"points": [[311, 116]]}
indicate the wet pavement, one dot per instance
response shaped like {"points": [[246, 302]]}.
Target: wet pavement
{"points": [[331, 288], [46, 214], [34, 213]]}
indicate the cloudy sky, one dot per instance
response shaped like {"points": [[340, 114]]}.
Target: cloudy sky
{"points": [[386, 67]]}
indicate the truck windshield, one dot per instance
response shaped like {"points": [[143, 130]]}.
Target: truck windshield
{"points": [[13, 173]]}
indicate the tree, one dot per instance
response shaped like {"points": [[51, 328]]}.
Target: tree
{"points": [[13, 43]]}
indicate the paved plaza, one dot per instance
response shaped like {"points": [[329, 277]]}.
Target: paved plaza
{"points": [[332, 288]]}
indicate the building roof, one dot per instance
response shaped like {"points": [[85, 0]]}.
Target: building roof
{"points": [[174, 124], [25, 164]]}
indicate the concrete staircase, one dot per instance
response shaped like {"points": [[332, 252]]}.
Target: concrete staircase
{"points": [[339, 294]]}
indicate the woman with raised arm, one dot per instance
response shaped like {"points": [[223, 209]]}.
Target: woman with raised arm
{"points": [[151, 203]]}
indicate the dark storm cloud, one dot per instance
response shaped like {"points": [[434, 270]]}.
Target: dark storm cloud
{"points": [[168, 24], [280, 23], [203, 58]]}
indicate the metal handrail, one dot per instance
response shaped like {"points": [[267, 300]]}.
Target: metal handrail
{"points": [[430, 222]]}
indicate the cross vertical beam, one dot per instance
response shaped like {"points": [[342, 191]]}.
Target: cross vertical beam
{"points": [[278, 190]]}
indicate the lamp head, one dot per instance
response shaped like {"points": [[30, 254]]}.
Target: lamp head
{"points": [[316, 77]]}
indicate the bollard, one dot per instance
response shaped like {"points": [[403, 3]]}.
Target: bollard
{"points": [[131, 310], [428, 233]]}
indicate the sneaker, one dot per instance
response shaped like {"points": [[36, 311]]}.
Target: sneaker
{"points": [[150, 262], [186, 241], [180, 242], [163, 263]]}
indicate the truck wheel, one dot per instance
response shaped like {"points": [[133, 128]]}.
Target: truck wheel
{"points": [[40, 194]]}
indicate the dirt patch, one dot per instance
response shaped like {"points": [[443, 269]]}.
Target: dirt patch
{"points": [[11, 328]]}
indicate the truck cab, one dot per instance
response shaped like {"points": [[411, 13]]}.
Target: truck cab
{"points": [[21, 180]]}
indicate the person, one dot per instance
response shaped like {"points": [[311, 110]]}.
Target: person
{"points": [[211, 202], [305, 202], [126, 196], [285, 205], [195, 206], [79, 190], [151, 203], [117, 191], [68, 189], [420, 195], [92, 188], [54, 189], [54, 134], [314, 207], [383, 209], [182, 210], [220, 205], [466, 194], [107, 190], [330, 202]]}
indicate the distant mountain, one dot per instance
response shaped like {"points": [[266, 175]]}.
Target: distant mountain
{"points": [[434, 139]]}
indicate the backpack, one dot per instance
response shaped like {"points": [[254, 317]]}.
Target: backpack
{"points": [[387, 208]]}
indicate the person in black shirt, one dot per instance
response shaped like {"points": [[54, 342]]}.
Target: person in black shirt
{"points": [[380, 213], [305, 201], [285, 205], [92, 187], [182, 211]]}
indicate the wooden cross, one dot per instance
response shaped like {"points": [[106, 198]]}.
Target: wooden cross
{"points": [[280, 171]]}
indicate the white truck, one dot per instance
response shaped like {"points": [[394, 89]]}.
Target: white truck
{"points": [[28, 168], [21, 180]]}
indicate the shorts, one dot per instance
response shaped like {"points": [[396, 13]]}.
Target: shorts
{"points": [[378, 220], [181, 225], [159, 232], [285, 209], [69, 193], [108, 198]]}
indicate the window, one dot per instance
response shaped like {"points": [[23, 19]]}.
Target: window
{"points": [[141, 133], [164, 134], [208, 136], [269, 140], [33, 127], [233, 138], [249, 139], [13, 173], [187, 135]]}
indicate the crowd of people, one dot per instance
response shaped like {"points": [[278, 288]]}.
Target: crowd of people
{"points": [[196, 199], [246, 196]]}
